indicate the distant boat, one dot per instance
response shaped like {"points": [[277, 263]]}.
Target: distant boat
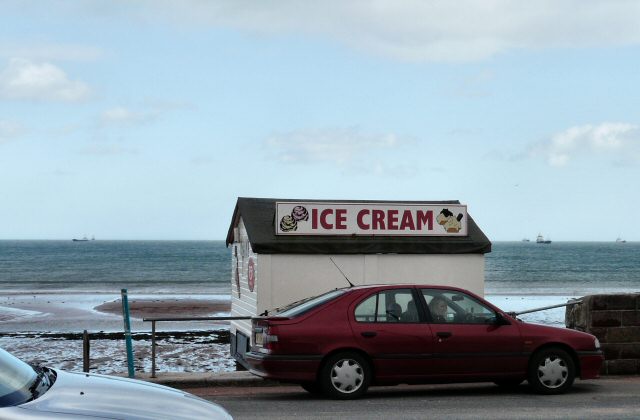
{"points": [[540, 240], [84, 239], [526, 240], [621, 241]]}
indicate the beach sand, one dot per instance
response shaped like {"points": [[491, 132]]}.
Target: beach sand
{"points": [[159, 308], [100, 312]]}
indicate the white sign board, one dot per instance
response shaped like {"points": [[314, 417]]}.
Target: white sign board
{"points": [[308, 218]]}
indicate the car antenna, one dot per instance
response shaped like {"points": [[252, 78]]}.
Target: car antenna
{"points": [[344, 275]]}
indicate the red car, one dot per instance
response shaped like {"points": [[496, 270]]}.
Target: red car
{"points": [[343, 341]]}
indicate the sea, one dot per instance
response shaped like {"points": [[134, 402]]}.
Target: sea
{"points": [[519, 276], [204, 267], [164, 267]]}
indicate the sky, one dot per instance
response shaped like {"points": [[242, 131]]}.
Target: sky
{"points": [[148, 119]]}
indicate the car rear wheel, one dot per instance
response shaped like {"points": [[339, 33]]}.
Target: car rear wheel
{"points": [[345, 376], [551, 371]]}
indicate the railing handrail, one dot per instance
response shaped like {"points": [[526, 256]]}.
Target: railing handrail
{"points": [[205, 318], [153, 321], [544, 308]]}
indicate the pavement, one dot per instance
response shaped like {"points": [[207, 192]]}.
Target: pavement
{"points": [[246, 396], [605, 398]]}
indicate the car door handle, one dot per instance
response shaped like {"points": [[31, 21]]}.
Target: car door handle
{"points": [[443, 334], [368, 334]]}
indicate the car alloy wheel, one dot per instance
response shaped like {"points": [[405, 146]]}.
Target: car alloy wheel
{"points": [[551, 371], [345, 376]]}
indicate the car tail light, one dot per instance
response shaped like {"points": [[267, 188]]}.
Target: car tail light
{"points": [[264, 338]]}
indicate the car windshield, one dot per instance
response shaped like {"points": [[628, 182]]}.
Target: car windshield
{"points": [[16, 379], [309, 304]]}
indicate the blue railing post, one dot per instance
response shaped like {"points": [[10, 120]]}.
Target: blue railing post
{"points": [[127, 332]]}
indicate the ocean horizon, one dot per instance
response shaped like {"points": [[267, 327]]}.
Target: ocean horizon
{"points": [[204, 267]]}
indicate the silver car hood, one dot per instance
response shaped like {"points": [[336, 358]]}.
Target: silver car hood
{"points": [[112, 397]]}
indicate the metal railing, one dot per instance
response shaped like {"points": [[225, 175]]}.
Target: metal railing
{"points": [[178, 319], [544, 308]]}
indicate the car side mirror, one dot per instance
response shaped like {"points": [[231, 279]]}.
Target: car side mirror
{"points": [[499, 319]]}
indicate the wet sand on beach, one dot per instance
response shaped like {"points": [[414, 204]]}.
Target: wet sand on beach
{"points": [[157, 308], [103, 312]]}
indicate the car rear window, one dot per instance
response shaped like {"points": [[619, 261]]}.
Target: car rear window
{"points": [[311, 303]]}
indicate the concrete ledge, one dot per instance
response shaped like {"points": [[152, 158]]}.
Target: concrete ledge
{"points": [[199, 379]]}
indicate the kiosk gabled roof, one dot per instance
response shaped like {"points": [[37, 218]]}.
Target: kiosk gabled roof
{"points": [[258, 215]]}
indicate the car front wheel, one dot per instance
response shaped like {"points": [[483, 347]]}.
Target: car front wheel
{"points": [[345, 376], [551, 371]]}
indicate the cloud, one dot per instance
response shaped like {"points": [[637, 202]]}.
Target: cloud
{"points": [[9, 130], [347, 148], [47, 51], [620, 140], [384, 169], [97, 149], [116, 125], [202, 161], [475, 86], [148, 111], [24, 79], [413, 30], [123, 116], [418, 30]]}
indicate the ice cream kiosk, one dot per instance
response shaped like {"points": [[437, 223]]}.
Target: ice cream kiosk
{"points": [[284, 250]]}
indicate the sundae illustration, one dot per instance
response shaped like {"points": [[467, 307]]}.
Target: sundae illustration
{"points": [[450, 223], [289, 223], [300, 213]]}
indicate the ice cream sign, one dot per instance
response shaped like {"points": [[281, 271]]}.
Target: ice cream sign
{"points": [[308, 218]]}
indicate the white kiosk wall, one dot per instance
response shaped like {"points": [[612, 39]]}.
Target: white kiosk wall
{"points": [[286, 278]]}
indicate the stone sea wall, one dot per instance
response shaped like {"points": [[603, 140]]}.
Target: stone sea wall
{"points": [[615, 320]]}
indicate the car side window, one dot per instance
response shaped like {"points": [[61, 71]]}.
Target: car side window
{"points": [[447, 306], [366, 310], [394, 305]]}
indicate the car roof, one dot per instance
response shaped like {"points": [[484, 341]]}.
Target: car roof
{"points": [[404, 285]]}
